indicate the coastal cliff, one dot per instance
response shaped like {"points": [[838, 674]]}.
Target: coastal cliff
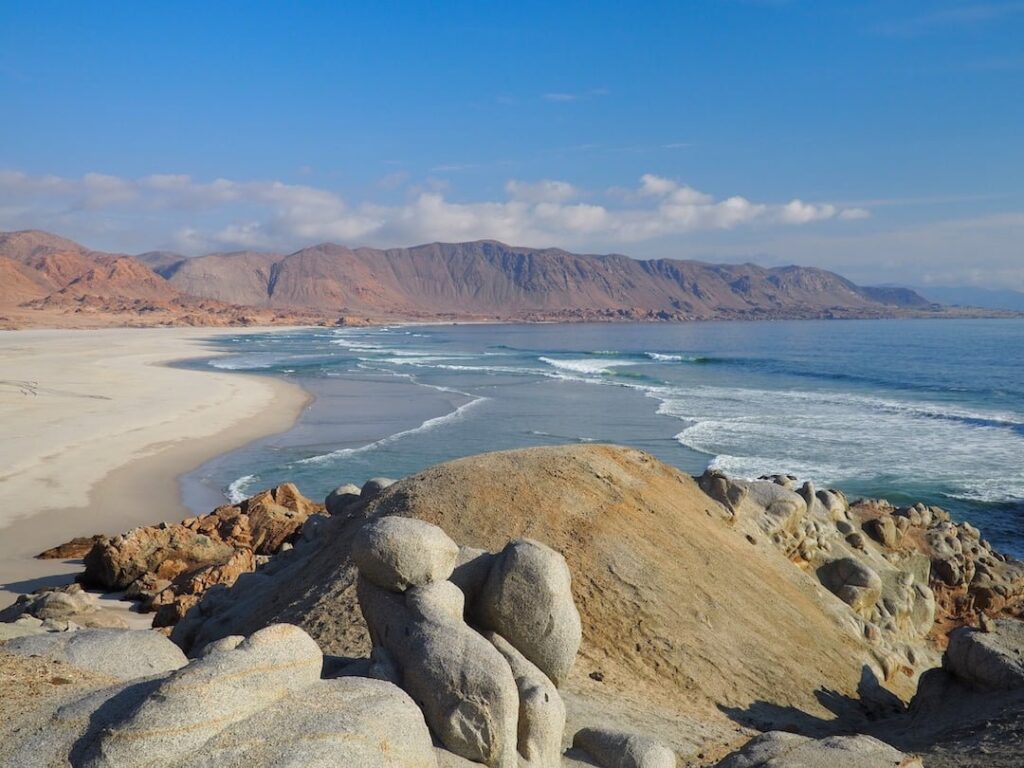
{"points": [[706, 610]]}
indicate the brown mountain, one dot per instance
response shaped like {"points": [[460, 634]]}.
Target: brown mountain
{"points": [[57, 265], [48, 280], [241, 277], [476, 280], [490, 279]]}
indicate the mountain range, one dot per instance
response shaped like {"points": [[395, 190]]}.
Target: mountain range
{"points": [[43, 275]]}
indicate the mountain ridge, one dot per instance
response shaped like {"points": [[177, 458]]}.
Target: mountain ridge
{"points": [[487, 277], [482, 280], [47, 280]]}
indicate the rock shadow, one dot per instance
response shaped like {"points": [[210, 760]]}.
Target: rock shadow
{"points": [[853, 714]]}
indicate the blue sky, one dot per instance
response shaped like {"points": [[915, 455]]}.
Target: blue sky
{"points": [[881, 139]]}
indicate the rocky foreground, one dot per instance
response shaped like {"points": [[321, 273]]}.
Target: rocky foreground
{"points": [[582, 605]]}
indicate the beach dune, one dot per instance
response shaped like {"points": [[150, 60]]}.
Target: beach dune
{"points": [[96, 429]]}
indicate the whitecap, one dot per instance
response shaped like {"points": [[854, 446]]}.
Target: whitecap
{"points": [[426, 426], [237, 491], [587, 366]]}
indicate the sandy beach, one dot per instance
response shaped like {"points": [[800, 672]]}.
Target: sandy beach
{"points": [[96, 429]]}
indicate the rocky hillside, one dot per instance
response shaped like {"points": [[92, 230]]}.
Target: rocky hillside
{"points": [[49, 280], [490, 279], [60, 267], [547, 607], [483, 280]]}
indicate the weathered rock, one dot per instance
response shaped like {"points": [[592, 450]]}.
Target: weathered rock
{"points": [[834, 503], [173, 602], [527, 599], [71, 550], [68, 736], [69, 603], [168, 567], [884, 531], [398, 552], [988, 660], [371, 488], [618, 749], [119, 653], [194, 704], [165, 552], [341, 498], [228, 643], [275, 516], [771, 504], [851, 581], [778, 749], [461, 682], [541, 709], [352, 722], [257, 705]]}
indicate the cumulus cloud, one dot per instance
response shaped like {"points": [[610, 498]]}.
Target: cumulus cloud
{"points": [[545, 191], [176, 210]]}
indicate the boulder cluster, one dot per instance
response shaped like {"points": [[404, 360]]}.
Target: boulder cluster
{"points": [[482, 654], [256, 701], [967, 575], [168, 567], [907, 575], [469, 649], [469, 655], [55, 609]]}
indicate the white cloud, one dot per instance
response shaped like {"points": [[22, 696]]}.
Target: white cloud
{"points": [[799, 212], [655, 186], [981, 250], [170, 210], [546, 191]]}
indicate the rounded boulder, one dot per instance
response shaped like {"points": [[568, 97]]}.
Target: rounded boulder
{"points": [[396, 553], [527, 599]]}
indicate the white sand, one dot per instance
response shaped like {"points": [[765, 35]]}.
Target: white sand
{"points": [[94, 431]]}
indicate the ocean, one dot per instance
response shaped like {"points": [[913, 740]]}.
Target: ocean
{"points": [[909, 410]]}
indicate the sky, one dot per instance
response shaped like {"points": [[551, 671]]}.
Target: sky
{"points": [[883, 139]]}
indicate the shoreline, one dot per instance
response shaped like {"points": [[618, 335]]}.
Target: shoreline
{"points": [[128, 474]]}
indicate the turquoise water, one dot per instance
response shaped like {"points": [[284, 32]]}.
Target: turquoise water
{"points": [[929, 410]]}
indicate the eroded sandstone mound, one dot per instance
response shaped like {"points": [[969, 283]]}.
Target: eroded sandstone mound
{"points": [[680, 611], [700, 610]]}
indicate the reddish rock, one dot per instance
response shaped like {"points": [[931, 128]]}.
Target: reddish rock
{"points": [[165, 552], [168, 566], [71, 550], [174, 601]]}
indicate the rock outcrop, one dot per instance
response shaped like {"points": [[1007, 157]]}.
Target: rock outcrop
{"points": [[655, 580], [503, 601], [527, 598], [396, 553], [908, 575], [615, 749], [122, 654], [169, 566], [991, 658], [61, 608], [70, 550], [484, 696], [790, 749], [260, 702]]}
